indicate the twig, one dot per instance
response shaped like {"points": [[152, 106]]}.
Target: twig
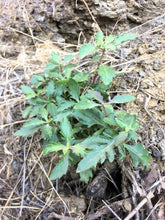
{"points": [[23, 182], [111, 210], [149, 196]]}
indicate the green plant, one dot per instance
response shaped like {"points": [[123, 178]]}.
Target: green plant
{"points": [[76, 116]]}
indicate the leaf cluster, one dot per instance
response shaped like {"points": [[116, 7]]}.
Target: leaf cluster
{"points": [[77, 118]]}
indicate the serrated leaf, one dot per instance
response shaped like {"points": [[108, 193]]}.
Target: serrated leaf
{"points": [[122, 153], [28, 91], [91, 160], [121, 123], [55, 147], [44, 113], [85, 104], [74, 89], [60, 169], [97, 95], [132, 136], [46, 131], [52, 109], [27, 131], [84, 176], [111, 120], [68, 58], [35, 111], [86, 49], [122, 98], [88, 117], [79, 150], [50, 88], [99, 38], [139, 154], [110, 47], [121, 138], [106, 73], [65, 106], [66, 129], [59, 116], [123, 38], [33, 122], [80, 77], [26, 112], [39, 77], [50, 67], [109, 39], [55, 57], [111, 153]]}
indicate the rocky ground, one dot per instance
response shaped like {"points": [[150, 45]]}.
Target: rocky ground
{"points": [[29, 31]]}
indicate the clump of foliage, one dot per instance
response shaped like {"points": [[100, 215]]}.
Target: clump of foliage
{"points": [[76, 116]]}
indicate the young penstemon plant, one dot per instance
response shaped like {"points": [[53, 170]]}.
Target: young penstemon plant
{"points": [[75, 115]]}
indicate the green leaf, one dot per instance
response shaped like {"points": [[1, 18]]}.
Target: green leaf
{"points": [[122, 98], [50, 67], [50, 88], [39, 77], [35, 111], [59, 116], [110, 47], [60, 169], [66, 129], [52, 109], [74, 89], [65, 105], [91, 160], [68, 58], [88, 117], [139, 154], [84, 176], [55, 147], [121, 123], [80, 77], [106, 73], [122, 152], [124, 37], [27, 131], [34, 122], [44, 113], [95, 58], [111, 153], [96, 95], [111, 120], [109, 39], [46, 131], [28, 91], [79, 150], [26, 112], [121, 138], [99, 38], [55, 57], [85, 104], [86, 49]]}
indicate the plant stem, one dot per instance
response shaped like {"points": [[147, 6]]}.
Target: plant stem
{"points": [[99, 63]]}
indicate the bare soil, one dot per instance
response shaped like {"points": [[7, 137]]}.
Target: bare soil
{"points": [[29, 31]]}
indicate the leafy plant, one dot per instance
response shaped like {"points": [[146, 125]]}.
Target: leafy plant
{"points": [[75, 112]]}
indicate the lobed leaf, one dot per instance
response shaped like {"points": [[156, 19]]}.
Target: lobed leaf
{"points": [[139, 154]]}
